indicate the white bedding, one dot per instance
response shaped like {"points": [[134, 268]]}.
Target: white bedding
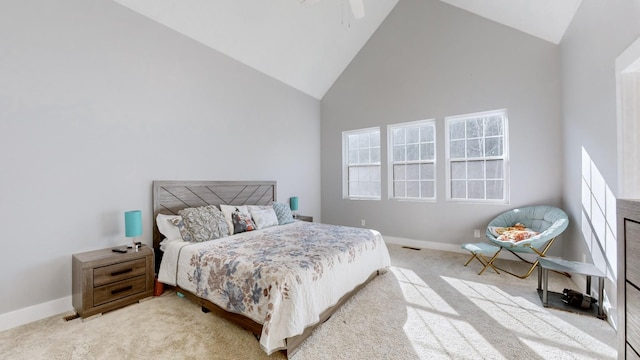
{"points": [[282, 277]]}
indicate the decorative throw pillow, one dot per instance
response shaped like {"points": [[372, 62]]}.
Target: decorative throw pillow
{"points": [[283, 212], [515, 233], [204, 223], [263, 216], [227, 211], [179, 223], [242, 222]]}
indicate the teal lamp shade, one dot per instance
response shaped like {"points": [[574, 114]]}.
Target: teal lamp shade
{"points": [[133, 223], [293, 203]]}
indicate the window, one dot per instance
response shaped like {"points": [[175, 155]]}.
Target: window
{"points": [[412, 157], [477, 157], [361, 164]]}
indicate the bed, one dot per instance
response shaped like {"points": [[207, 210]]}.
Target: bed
{"points": [[279, 282]]}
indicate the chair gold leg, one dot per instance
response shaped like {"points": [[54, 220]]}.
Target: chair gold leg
{"points": [[533, 264], [526, 275], [490, 263], [484, 261], [470, 259]]}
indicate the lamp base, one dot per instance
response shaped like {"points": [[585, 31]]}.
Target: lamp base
{"points": [[136, 246]]}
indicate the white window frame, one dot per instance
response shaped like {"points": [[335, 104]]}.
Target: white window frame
{"points": [[505, 157], [346, 165], [391, 162]]}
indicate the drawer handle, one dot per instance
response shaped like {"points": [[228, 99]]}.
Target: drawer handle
{"points": [[126, 288], [121, 272]]}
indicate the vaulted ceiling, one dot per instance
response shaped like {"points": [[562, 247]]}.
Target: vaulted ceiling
{"points": [[307, 44]]}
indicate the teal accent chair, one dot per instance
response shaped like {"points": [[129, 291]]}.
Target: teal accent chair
{"points": [[549, 221]]}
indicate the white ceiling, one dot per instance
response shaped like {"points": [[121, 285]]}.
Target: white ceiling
{"points": [[307, 44], [546, 19]]}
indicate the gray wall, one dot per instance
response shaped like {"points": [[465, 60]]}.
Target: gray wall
{"points": [[599, 33], [97, 101], [431, 60]]}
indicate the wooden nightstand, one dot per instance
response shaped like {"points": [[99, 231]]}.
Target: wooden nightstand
{"points": [[104, 280], [304, 218]]}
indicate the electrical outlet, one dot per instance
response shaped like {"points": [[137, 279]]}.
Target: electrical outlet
{"points": [[584, 257], [476, 233], [362, 222]]}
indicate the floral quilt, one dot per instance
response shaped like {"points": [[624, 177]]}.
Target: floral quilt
{"points": [[282, 277]]}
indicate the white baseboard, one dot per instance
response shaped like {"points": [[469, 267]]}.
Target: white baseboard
{"points": [[36, 312], [432, 245], [423, 244]]}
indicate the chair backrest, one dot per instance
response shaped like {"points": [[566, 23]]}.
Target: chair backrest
{"points": [[549, 221]]}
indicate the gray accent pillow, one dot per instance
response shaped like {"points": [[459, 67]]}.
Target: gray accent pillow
{"points": [[203, 223], [283, 212], [179, 223]]}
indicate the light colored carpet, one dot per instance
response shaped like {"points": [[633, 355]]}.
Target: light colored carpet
{"points": [[428, 306]]}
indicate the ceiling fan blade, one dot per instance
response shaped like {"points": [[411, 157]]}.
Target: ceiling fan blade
{"points": [[357, 8]]}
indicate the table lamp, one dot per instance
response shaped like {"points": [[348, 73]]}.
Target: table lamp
{"points": [[293, 204], [133, 225]]}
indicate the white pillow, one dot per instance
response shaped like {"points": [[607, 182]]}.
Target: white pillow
{"points": [[227, 211], [167, 228], [263, 216]]}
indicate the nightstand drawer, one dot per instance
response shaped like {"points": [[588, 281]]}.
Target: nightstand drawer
{"points": [[117, 272], [119, 290]]}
